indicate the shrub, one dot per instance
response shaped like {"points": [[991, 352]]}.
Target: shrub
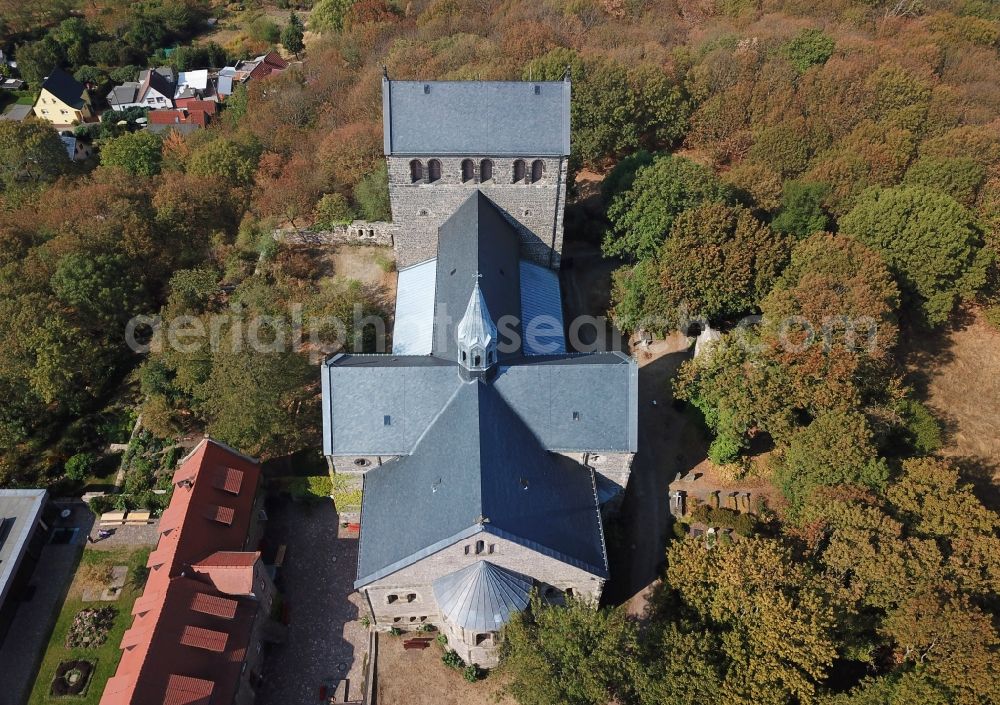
{"points": [[923, 432], [992, 315], [809, 48], [102, 504], [441, 639], [395, 631], [725, 449], [472, 673], [79, 466], [453, 660], [333, 209]]}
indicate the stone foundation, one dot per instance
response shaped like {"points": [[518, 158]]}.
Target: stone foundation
{"points": [[359, 232]]}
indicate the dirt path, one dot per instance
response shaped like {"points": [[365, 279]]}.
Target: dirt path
{"points": [[668, 444]]}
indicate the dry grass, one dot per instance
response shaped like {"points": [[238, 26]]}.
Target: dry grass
{"points": [[420, 678], [959, 371]]}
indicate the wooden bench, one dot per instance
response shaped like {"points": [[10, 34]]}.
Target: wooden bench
{"points": [[416, 644]]}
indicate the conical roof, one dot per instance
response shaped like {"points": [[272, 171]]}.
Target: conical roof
{"points": [[481, 597], [476, 329]]}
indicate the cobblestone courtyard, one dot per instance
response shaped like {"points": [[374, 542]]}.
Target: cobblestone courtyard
{"points": [[325, 641]]}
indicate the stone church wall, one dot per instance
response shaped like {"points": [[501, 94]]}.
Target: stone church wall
{"points": [[535, 209], [359, 232], [405, 599]]}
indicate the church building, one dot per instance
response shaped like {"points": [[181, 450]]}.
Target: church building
{"points": [[487, 449]]}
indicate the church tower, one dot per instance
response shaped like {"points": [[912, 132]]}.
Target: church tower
{"points": [[445, 139]]}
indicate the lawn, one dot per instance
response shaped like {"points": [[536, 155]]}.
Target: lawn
{"points": [[107, 655]]}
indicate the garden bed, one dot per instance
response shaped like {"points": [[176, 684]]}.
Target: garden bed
{"points": [[72, 678]]}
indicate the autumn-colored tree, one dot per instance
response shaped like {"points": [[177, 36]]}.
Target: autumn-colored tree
{"points": [[776, 627], [719, 261]]}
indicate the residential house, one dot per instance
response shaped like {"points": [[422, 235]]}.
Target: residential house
{"points": [[485, 461], [203, 616], [245, 71], [22, 536], [182, 120], [154, 90], [193, 85], [11, 84], [63, 100]]}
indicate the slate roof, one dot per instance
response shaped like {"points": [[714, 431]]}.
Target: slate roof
{"points": [[481, 597], [65, 88], [501, 118], [124, 94], [20, 511], [478, 467]]}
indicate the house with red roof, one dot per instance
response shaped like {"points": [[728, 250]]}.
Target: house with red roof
{"points": [[183, 120], [200, 623]]}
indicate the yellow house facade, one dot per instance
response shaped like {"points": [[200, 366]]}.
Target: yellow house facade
{"points": [[63, 100]]}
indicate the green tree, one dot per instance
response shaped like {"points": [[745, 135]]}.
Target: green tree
{"points": [[233, 162], [329, 15], [959, 177], [576, 655], [809, 48], [139, 153], [35, 60], [637, 298], [802, 211], [372, 195], [606, 112], [642, 215], [836, 448], [930, 241], [100, 289], [74, 36], [333, 209], [291, 35], [30, 153], [719, 261], [78, 467]]}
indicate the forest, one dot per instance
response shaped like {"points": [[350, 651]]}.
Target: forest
{"points": [[745, 163]]}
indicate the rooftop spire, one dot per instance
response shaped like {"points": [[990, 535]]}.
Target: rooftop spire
{"points": [[477, 334]]}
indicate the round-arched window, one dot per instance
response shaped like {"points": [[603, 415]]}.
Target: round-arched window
{"points": [[468, 171], [537, 170], [416, 171], [519, 171], [486, 170], [433, 170]]}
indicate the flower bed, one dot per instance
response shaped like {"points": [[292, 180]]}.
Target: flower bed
{"points": [[72, 678], [90, 628]]}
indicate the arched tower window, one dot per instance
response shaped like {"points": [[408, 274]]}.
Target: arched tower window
{"points": [[537, 170], [433, 170], [486, 170], [468, 171], [416, 171], [519, 171]]}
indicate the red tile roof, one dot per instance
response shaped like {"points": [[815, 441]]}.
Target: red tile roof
{"points": [[214, 605], [270, 63], [207, 639], [181, 116], [223, 515], [191, 632], [182, 690], [229, 479]]}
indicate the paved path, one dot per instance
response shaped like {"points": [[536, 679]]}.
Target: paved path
{"points": [[29, 634], [325, 640], [126, 536]]}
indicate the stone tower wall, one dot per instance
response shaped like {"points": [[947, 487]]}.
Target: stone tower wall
{"points": [[535, 209]]}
